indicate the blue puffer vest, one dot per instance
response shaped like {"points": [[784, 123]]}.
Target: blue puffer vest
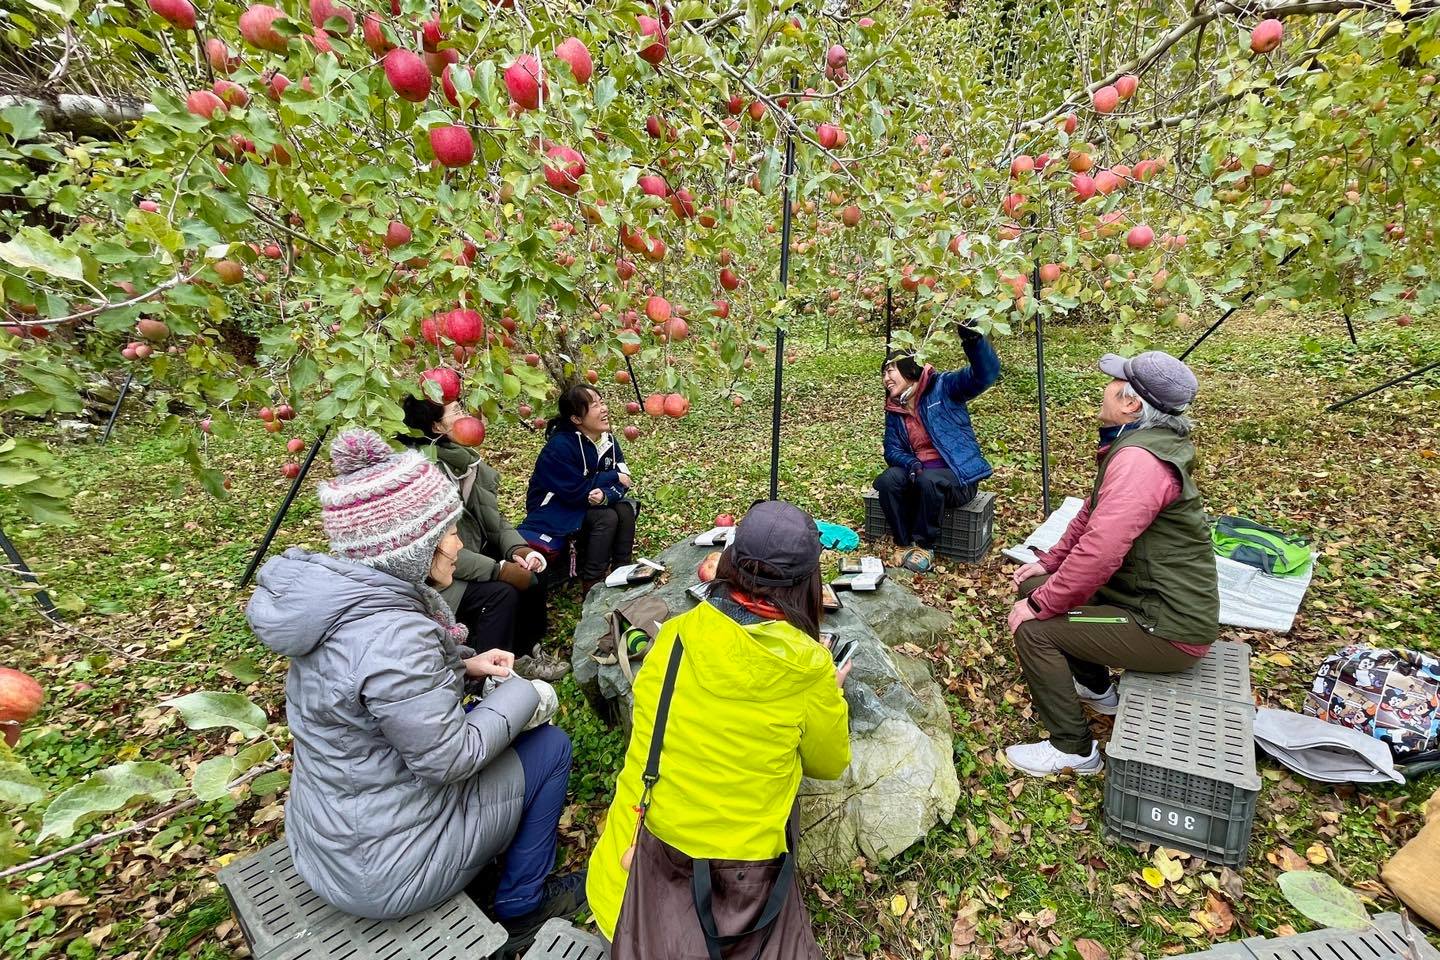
{"points": [[943, 412]]}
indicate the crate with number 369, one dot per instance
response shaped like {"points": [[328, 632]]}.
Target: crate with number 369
{"points": [[1181, 759]]}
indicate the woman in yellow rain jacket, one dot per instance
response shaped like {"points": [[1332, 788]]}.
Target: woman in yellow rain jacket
{"points": [[757, 704]]}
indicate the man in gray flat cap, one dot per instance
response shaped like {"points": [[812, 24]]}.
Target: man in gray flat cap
{"points": [[1132, 582]]}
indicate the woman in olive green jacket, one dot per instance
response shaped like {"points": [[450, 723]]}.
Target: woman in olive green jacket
{"points": [[496, 592]]}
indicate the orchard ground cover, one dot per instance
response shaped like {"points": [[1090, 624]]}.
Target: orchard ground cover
{"points": [[151, 566]]}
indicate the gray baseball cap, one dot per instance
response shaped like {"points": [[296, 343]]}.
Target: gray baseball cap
{"points": [[781, 536], [1161, 380]]}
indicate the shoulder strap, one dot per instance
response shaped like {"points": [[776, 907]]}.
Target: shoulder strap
{"points": [[662, 713]]}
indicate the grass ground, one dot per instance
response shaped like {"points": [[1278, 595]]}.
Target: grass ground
{"points": [[151, 571]]}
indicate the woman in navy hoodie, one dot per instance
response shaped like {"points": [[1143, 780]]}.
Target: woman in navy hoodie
{"points": [[581, 485]]}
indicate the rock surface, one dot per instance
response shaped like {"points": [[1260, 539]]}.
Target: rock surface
{"points": [[901, 780]]}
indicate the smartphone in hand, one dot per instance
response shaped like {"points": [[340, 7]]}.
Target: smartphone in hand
{"points": [[842, 651]]}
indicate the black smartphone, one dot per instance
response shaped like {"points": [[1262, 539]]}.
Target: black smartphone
{"points": [[841, 651]]}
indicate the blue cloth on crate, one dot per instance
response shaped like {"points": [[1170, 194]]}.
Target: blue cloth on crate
{"points": [[943, 412], [833, 536]]}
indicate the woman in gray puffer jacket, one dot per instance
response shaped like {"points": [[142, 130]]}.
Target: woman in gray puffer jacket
{"points": [[399, 796]]}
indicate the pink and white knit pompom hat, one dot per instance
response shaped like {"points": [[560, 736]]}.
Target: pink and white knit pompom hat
{"points": [[386, 509]]}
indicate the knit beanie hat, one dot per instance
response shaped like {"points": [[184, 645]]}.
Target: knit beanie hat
{"points": [[384, 509]]}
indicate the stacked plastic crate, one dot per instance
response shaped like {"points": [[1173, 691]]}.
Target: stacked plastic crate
{"points": [[283, 919], [966, 531], [1181, 759]]}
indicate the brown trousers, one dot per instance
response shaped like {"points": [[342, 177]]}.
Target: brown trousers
{"points": [[1053, 653]]}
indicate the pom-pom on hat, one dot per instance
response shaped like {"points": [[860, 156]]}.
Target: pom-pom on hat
{"points": [[385, 509]]}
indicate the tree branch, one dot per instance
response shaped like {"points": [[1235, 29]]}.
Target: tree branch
{"points": [[150, 821], [78, 114], [1296, 8], [174, 281]]}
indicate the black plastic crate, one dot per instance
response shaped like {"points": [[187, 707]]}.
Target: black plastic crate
{"points": [[1181, 772], [966, 532], [560, 939], [1222, 674], [283, 919], [1384, 940]]}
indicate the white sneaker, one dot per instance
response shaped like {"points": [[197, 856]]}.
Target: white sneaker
{"points": [[1041, 759], [1107, 703]]}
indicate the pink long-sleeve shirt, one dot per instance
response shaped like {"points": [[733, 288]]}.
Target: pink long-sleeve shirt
{"points": [[1138, 485]]}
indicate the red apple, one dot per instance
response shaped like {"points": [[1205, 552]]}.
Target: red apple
{"points": [[408, 75], [706, 570], [178, 13], [632, 407], [574, 52], [372, 29], [1021, 165], [525, 82], [657, 309], [655, 404], [1105, 100], [1084, 186], [290, 470], [630, 431], [653, 52], [452, 145], [448, 380], [203, 103], [257, 27], [151, 329], [850, 216], [828, 134], [654, 186], [1266, 36], [563, 169], [724, 520], [20, 697], [728, 279], [676, 405], [295, 445], [1139, 237], [397, 234], [1126, 85], [468, 431], [149, 206], [676, 330]]}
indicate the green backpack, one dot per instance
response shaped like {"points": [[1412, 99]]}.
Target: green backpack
{"points": [[1273, 551]]}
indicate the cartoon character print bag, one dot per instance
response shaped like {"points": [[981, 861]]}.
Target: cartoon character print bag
{"points": [[1391, 694]]}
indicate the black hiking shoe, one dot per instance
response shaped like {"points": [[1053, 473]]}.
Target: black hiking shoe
{"points": [[564, 896]]}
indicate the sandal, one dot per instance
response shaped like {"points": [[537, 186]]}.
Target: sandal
{"points": [[918, 560]]}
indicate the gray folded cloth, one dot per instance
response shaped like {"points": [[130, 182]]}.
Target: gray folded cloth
{"points": [[1324, 751]]}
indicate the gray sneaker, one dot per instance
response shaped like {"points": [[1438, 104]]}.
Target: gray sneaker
{"points": [[542, 667]]}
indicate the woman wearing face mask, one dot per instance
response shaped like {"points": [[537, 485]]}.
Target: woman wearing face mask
{"points": [[581, 486], [400, 796], [497, 592]]}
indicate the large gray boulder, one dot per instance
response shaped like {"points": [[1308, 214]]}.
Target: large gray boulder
{"points": [[901, 780]]}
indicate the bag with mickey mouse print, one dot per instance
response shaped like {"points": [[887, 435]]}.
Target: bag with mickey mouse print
{"points": [[1391, 694]]}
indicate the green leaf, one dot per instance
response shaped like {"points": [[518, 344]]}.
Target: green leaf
{"points": [[18, 785], [268, 783], [10, 907], [23, 121], [34, 249], [211, 708], [64, 9], [1323, 899], [109, 790], [213, 777], [243, 669]]}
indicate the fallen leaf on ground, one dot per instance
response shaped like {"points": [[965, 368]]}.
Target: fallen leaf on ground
{"points": [[1287, 859], [1153, 877], [1316, 854], [1091, 950]]}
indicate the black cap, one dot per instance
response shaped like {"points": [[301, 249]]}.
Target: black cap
{"points": [[782, 537]]}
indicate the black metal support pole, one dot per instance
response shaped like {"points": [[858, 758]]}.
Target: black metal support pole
{"points": [[889, 317], [775, 416], [1243, 300], [1040, 381], [119, 399], [23, 571], [1349, 327], [787, 175], [284, 508], [1384, 386], [633, 381]]}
